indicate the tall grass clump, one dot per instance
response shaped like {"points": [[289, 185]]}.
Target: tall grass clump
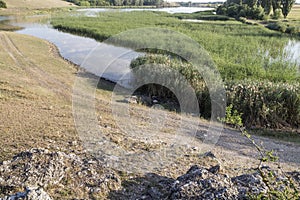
{"points": [[266, 104], [263, 103]]}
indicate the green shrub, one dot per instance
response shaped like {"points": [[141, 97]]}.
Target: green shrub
{"points": [[237, 11], [277, 14], [84, 3], [292, 30], [277, 26], [2, 4]]}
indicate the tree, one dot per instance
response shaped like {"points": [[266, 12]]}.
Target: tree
{"points": [[267, 6], [286, 7], [2, 4], [276, 4]]}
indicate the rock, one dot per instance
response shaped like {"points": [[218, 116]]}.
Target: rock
{"points": [[29, 194], [38, 169], [215, 169], [42, 168], [200, 183], [209, 154], [249, 183], [132, 100]]}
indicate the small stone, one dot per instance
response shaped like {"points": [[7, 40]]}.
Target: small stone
{"points": [[215, 169]]}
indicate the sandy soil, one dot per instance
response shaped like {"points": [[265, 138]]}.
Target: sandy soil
{"points": [[35, 4]]}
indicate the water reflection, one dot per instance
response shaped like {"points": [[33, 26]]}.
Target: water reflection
{"points": [[292, 50], [93, 56], [94, 11]]}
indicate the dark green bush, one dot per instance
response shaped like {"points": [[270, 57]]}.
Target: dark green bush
{"points": [[237, 11], [2, 4], [292, 30], [277, 26]]}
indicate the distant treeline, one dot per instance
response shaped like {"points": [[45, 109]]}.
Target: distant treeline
{"points": [[256, 9], [116, 2]]}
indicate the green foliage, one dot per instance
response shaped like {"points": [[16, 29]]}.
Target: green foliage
{"points": [[277, 14], [88, 3], [184, 68], [279, 186], [278, 26], [287, 6], [254, 9], [292, 30], [84, 3], [266, 104], [232, 117], [267, 6], [2, 4], [238, 50], [244, 10]]}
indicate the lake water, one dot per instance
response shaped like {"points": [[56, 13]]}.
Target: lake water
{"points": [[292, 51], [93, 11], [3, 18]]}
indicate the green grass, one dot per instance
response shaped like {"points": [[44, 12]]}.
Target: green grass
{"points": [[237, 49]]}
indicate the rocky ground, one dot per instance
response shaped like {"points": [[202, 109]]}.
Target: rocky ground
{"points": [[36, 171]]}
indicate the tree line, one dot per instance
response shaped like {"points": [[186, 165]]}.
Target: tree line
{"points": [[116, 2], [256, 9]]}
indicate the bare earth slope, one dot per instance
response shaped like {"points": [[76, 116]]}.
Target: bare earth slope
{"points": [[34, 4], [35, 88]]}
